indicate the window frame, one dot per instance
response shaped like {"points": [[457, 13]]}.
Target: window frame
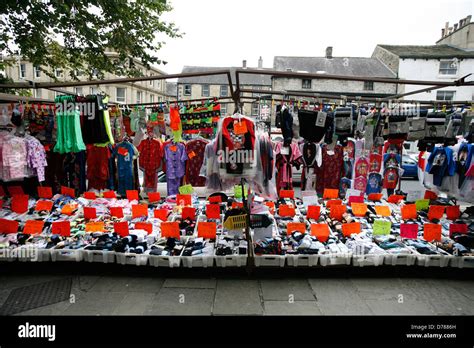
{"points": [[36, 72], [139, 100], [222, 88], [368, 86], [305, 85], [223, 106], [190, 92], [117, 94], [22, 73], [453, 93], [208, 88], [446, 70]]}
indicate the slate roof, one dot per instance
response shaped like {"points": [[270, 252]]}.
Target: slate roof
{"points": [[348, 66], [245, 79], [433, 51]]}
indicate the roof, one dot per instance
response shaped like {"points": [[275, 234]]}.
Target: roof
{"points": [[348, 66], [433, 51], [245, 79]]}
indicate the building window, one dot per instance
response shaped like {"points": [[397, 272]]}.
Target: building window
{"points": [[151, 81], [223, 91], [445, 95], [223, 109], [78, 91], [22, 71], [139, 97], [205, 91], [187, 90], [257, 94], [306, 84], [449, 67], [93, 90], [152, 98], [158, 84], [160, 99], [368, 86], [37, 93], [58, 72], [79, 73], [254, 109], [37, 71], [120, 95]]}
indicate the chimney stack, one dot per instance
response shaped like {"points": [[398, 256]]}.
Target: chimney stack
{"points": [[260, 62], [244, 64], [329, 52], [455, 27], [468, 19], [442, 32], [446, 29]]}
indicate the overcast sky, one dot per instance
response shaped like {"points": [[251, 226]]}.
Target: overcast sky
{"points": [[224, 32]]}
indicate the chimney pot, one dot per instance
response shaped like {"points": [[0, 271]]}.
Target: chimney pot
{"points": [[442, 32], [260, 62], [329, 52], [468, 19], [244, 64]]}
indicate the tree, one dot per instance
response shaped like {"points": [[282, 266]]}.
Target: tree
{"points": [[74, 35]]}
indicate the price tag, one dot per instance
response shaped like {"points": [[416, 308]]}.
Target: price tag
{"points": [[186, 189], [409, 231], [173, 148], [295, 226], [121, 228], [333, 202], [287, 194], [19, 204], [90, 195], [213, 211], [97, 226], [422, 204], [432, 232], [45, 192], [170, 229], [139, 210], [110, 194], [321, 119], [132, 195], [408, 211], [430, 195], [240, 127], [453, 212], [191, 154], [154, 197], [435, 212], [285, 150], [63, 228], [337, 211], [382, 227], [383, 210], [117, 212], [33, 227], [310, 200], [457, 228], [375, 197], [330, 193], [68, 209], [161, 214], [320, 231], [8, 226], [146, 226], [314, 212], [189, 213], [395, 199], [286, 210], [359, 209], [183, 199], [350, 228], [215, 199], [355, 199], [90, 213], [15, 190], [67, 191], [207, 230]]}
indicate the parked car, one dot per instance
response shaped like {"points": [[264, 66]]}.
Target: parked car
{"points": [[410, 167]]}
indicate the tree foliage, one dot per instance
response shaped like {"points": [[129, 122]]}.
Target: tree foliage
{"points": [[74, 35]]}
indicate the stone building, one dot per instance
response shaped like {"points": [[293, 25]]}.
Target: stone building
{"points": [[22, 70]]}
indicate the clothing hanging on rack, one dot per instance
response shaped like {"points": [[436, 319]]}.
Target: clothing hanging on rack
{"points": [[175, 156], [195, 149], [285, 158], [97, 166], [312, 158], [125, 152], [151, 153], [329, 174]]}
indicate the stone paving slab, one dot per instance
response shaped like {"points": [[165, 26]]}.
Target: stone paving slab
{"points": [[135, 303], [286, 289], [237, 297], [193, 283], [182, 301], [393, 307]]}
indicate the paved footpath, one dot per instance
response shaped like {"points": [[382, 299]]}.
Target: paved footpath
{"points": [[100, 289]]}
